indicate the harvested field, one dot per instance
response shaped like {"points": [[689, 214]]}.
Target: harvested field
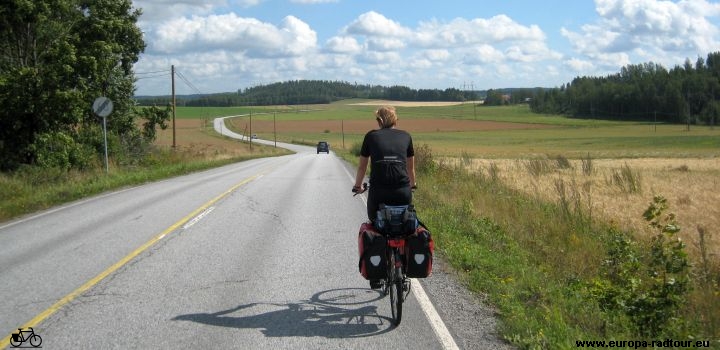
{"points": [[691, 186], [410, 103], [191, 136], [415, 125]]}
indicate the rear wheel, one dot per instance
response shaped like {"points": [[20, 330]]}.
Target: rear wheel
{"points": [[15, 343], [396, 290]]}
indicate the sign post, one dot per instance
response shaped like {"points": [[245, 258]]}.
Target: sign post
{"points": [[102, 107]]}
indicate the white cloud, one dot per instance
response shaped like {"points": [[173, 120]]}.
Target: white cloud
{"points": [[647, 30], [382, 58], [436, 55], [374, 24], [343, 44], [420, 64], [230, 32], [578, 65], [462, 32], [385, 44], [483, 54]]}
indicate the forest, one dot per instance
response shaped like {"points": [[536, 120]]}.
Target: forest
{"points": [[687, 94], [298, 92]]}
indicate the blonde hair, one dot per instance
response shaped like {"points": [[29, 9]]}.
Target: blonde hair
{"points": [[386, 116]]}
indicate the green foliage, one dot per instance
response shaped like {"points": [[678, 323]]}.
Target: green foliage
{"points": [[648, 91], [424, 162], [648, 288], [355, 149], [154, 117], [60, 150], [58, 56]]}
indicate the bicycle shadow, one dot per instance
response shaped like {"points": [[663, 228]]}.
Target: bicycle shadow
{"points": [[335, 313]]}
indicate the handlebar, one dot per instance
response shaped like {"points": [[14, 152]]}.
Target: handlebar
{"points": [[358, 190]]}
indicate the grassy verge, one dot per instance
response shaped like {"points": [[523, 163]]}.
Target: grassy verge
{"points": [[31, 189], [547, 269]]}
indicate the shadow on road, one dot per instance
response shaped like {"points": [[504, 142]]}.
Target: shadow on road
{"points": [[335, 313]]}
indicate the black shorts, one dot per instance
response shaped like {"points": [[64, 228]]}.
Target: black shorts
{"points": [[387, 196]]}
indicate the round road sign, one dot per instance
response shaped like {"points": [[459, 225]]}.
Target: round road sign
{"points": [[102, 106]]}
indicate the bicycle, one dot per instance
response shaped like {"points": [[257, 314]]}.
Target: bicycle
{"points": [[396, 284], [18, 338]]}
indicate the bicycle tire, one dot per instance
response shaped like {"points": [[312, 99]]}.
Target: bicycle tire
{"points": [[35, 340], [400, 297], [395, 289], [14, 343]]}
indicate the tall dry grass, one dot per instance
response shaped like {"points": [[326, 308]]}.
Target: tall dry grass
{"points": [[618, 189]]}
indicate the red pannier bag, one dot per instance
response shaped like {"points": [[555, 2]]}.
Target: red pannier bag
{"points": [[419, 249], [371, 248]]}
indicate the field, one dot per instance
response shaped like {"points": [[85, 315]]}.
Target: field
{"points": [[691, 186], [681, 164]]}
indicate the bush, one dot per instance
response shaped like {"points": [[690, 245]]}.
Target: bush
{"points": [[649, 289], [355, 149], [424, 162], [60, 150]]}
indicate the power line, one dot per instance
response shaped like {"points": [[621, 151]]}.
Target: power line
{"points": [[153, 76], [154, 72], [188, 83]]}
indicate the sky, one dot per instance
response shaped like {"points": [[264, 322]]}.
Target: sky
{"points": [[229, 45]]}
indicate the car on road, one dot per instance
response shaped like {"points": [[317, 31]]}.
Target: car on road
{"points": [[323, 146]]}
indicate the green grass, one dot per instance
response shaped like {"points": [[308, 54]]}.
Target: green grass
{"points": [[32, 189]]}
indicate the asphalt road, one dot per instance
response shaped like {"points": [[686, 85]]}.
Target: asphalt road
{"points": [[258, 254]]}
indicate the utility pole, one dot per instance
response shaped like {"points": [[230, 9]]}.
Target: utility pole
{"points": [[172, 75], [274, 129]]}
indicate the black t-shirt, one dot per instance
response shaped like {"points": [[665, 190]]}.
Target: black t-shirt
{"points": [[388, 150]]}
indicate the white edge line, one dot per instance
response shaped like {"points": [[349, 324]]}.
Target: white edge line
{"points": [[436, 322], [433, 317]]}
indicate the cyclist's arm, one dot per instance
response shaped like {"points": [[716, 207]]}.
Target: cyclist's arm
{"points": [[362, 169], [411, 170]]}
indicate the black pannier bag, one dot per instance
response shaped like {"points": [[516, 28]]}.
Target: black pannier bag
{"points": [[395, 221], [371, 247], [419, 249]]}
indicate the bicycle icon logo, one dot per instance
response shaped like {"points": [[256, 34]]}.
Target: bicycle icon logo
{"points": [[17, 339]]}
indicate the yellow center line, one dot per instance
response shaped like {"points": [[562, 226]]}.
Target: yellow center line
{"points": [[89, 284]]}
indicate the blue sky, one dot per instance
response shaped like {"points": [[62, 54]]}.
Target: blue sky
{"points": [[226, 45]]}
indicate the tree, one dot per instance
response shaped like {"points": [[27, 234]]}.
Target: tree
{"points": [[56, 57]]}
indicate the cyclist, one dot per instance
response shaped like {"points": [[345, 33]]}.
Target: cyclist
{"points": [[391, 156]]}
